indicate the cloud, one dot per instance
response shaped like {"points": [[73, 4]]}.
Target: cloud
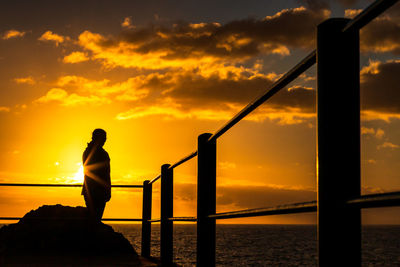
{"points": [[81, 83], [218, 96], [11, 34], [351, 13], [198, 88], [380, 87], [244, 197], [219, 92], [25, 80], [348, 3], [61, 96], [381, 35], [127, 23], [188, 45], [370, 115], [222, 112], [170, 109], [133, 89], [283, 116], [96, 92], [49, 36], [315, 5], [379, 133], [247, 197], [388, 145], [198, 68], [76, 57], [4, 109], [225, 165]]}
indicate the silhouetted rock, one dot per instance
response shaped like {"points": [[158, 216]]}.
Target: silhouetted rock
{"points": [[58, 234]]}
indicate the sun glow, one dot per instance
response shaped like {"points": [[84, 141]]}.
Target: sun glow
{"points": [[78, 177]]}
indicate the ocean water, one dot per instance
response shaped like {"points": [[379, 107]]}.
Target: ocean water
{"points": [[268, 245]]}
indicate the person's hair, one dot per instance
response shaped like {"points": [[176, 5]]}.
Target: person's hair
{"points": [[99, 134]]}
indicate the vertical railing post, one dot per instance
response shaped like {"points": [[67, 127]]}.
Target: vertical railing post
{"points": [[206, 200], [146, 216], [166, 212], [338, 146]]}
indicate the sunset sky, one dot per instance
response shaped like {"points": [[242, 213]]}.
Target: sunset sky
{"points": [[155, 74]]}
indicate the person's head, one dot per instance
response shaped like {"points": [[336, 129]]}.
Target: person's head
{"points": [[99, 137]]}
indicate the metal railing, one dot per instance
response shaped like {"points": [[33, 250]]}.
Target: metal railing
{"points": [[339, 201]]}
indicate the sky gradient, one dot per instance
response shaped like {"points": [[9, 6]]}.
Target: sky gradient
{"points": [[156, 74]]}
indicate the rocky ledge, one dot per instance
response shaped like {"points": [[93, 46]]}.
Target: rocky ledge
{"points": [[63, 236]]}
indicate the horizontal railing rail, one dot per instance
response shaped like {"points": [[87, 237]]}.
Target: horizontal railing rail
{"points": [[365, 201], [67, 185], [44, 218], [380, 200], [183, 219], [310, 206]]}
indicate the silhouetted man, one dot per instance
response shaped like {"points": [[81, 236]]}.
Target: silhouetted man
{"points": [[96, 165]]}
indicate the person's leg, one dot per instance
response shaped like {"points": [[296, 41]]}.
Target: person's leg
{"points": [[99, 209], [89, 204], [95, 207]]}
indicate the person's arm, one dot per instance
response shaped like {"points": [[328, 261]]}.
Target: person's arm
{"points": [[108, 181], [84, 156]]}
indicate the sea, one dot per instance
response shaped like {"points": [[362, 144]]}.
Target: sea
{"points": [[268, 245]]}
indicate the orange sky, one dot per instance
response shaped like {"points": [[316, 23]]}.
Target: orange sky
{"points": [[155, 77]]}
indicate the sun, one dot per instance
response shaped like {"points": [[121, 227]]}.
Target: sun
{"points": [[78, 177]]}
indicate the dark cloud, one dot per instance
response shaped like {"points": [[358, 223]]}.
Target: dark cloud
{"points": [[293, 28], [380, 88], [262, 196], [348, 3], [381, 35], [247, 197], [195, 89], [394, 12], [315, 5], [298, 97]]}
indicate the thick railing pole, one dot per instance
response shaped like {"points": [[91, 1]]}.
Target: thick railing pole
{"points": [[206, 200], [166, 212], [338, 147], [146, 216]]}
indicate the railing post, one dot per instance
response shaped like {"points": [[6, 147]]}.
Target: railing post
{"points": [[146, 216], [206, 201], [338, 146], [166, 212]]}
